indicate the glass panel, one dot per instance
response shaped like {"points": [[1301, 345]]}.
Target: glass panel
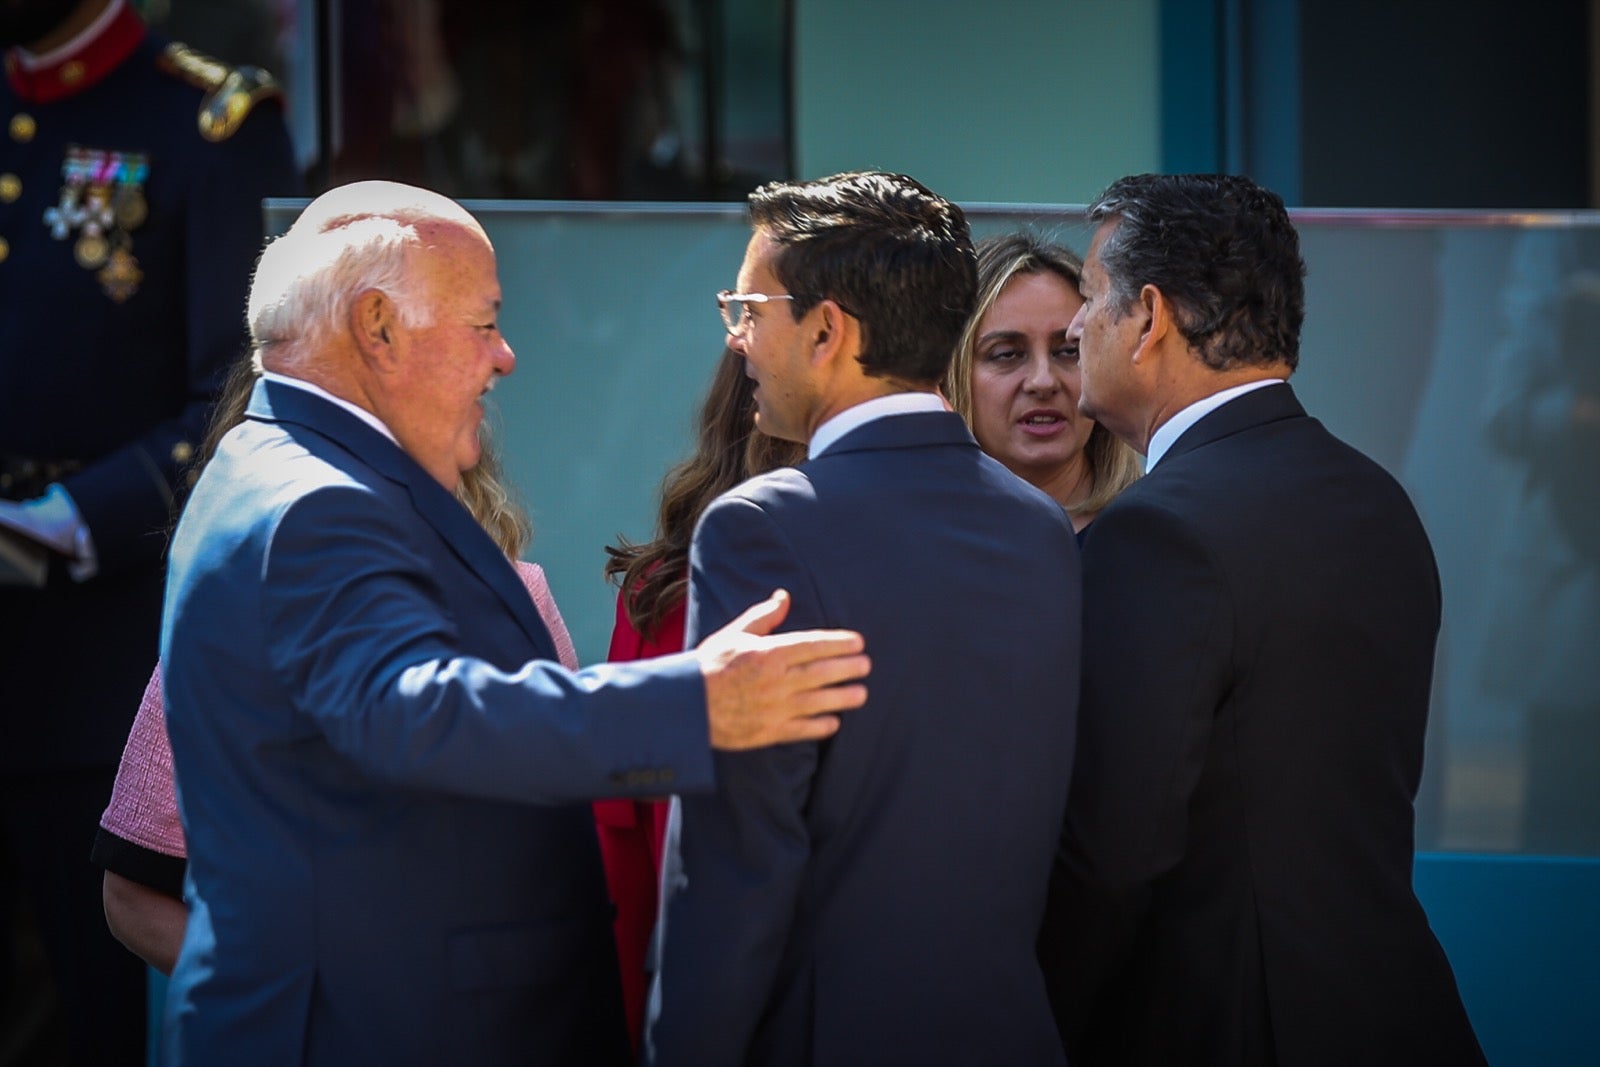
{"points": [[1461, 352]]}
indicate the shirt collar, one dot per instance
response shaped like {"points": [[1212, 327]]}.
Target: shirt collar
{"points": [[316, 390], [1173, 428], [854, 417], [82, 62]]}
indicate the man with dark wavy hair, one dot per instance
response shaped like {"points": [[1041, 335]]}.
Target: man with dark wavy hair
{"points": [[876, 899], [1261, 609]]}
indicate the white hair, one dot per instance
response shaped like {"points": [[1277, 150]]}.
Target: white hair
{"points": [[350, 240]]}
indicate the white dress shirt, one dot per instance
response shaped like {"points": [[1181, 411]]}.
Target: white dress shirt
{"points": [[1173, 428], [860, 414], [359, 412]]}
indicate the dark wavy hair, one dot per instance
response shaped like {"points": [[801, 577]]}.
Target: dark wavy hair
{"points": [[727, 450], [1221, 249], [885, 248]]}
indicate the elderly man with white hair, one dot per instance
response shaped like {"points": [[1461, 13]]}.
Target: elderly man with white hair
{"points": [[380, 768]]}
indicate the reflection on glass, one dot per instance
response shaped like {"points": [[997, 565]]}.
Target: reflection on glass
{"points": [[1542, 417], [1464, 355], [578, 99]]}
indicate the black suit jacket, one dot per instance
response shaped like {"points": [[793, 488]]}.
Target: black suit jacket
{"points": [[874, 899], [1235, 879]]}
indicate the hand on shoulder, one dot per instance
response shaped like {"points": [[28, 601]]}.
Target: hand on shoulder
{"points": [[765, 689]]}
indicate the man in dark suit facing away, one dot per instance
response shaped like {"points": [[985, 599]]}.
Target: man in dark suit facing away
{"points": [[1260, 612], [875, 898]]}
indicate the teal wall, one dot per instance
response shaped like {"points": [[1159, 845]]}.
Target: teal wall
{"points": [[614, 320], [1024, 101]]}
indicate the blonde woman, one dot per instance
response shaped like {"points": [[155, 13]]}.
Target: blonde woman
{"points": [[1014, 378]]}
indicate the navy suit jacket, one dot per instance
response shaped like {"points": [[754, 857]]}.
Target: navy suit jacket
{"points": [[875, 898], [1260, 616], [378, 772]]}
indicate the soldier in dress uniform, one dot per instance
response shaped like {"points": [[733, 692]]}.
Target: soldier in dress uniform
{"points": [[131, 178]]}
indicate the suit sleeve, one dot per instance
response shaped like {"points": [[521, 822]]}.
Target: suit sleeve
{"points": [[140, 836], [1157, 638], [745, 847], [1157, 645], [358, 633]]}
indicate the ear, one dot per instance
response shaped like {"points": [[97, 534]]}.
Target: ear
{"points": [[372, 324], [1156, 312], [833, 332]]}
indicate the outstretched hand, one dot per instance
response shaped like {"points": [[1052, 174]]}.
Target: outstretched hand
{"points": [[763, 689]]}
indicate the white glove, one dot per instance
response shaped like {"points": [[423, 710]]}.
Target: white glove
{"points": [[53, 521]]}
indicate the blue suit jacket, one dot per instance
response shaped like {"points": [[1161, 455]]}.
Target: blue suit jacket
{"points": [[386, 861], [875, 898]]}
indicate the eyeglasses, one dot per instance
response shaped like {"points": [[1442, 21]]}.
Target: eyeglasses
{"points": [[735, 316]]}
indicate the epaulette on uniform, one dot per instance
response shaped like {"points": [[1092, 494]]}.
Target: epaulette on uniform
{"points": [[230, 91]]}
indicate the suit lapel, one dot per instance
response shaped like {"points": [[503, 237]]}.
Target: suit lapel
{"points": [[274, 402], [478, 551], [1255, 408]]}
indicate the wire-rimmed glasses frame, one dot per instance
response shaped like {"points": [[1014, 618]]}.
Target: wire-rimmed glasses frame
{"points": [[732, 306]]}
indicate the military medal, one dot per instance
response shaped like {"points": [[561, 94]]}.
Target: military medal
{"points": [[97, 206], [91, 250], [102, 198], [121, 277], [130, 205], [131, 208], [66, 215]]}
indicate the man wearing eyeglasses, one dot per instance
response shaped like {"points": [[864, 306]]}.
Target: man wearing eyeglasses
{"points": [[875, 898]]}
